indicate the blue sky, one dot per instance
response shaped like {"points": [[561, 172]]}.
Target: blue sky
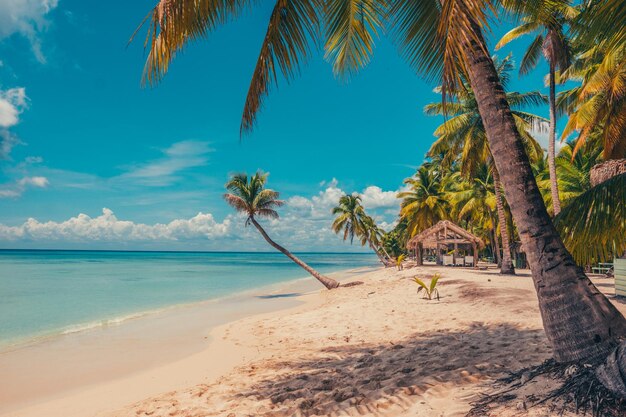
{"points": [[92, 160]]}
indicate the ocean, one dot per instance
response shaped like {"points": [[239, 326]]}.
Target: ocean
{"points": [[46, 293]]}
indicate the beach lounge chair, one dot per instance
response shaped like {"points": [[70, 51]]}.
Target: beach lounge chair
{"points": [[448, 260], [469, 261]]}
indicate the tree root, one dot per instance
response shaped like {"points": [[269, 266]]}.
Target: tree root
{"points": [[580, 392], [352, 284]]}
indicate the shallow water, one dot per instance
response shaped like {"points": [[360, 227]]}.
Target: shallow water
{"points": [[43, 293]]}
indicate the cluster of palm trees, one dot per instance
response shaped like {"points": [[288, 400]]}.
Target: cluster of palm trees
{"points": [[445, 40], [460, 182], [352, 220]]}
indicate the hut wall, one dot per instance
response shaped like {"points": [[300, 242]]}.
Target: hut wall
{"points": [[619, 266]]}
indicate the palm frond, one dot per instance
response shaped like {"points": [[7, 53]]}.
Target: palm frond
{"points": [[292, 26], [593, 225], [516, 32], [351, 28], [174, 23], [531, 56]]}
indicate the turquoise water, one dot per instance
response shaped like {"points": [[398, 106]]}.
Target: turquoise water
{"points": [[50, 292]]}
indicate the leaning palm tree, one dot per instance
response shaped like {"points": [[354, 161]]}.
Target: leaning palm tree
{"points": [[547, 23], [250, 197], [352, 220], [462, 138], [441, 39]]}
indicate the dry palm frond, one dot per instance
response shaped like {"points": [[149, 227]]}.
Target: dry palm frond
{"points": [[174, 23]]}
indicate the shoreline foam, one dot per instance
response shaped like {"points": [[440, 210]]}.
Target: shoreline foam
{"points": [[30, 372]]}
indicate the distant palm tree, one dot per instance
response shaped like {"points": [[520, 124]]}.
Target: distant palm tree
{"points": [[547, 23], [250, 197], [425, 203], [354, 222], [475, 200]]}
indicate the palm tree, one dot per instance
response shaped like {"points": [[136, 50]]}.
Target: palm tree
{"points": [[250, 197], [593, 225], [598, 107], [462, 138], [440, 39], [354, 222], [574, 169], [425, 203], [474, 200], [547, 23]]}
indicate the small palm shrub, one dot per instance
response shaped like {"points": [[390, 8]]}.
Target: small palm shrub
{"points": [[430, 290], [399, 261]]}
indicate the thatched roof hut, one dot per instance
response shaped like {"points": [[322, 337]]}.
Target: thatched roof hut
{"points": [[441, 235]]}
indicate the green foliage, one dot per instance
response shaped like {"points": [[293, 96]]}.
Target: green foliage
{"points": [[593, 225], [430, 290], [352, 220], [248, 195], [394, 242], [399, 261]]}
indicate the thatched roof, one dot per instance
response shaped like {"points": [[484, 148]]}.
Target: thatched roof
{"points": [[444, 232], [607, 170]]}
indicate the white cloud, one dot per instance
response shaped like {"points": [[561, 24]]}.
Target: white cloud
{"points": [[40, 182], [26, 18], [108, 228], [17, 188], [177, 158], [12, 103], [320, 205], [304, 225], [374, 197]]}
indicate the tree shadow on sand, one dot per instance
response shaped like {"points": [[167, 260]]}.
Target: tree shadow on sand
{"points": [[381, 379]]}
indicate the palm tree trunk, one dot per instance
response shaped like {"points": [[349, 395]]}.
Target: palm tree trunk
{"points": [[507, 267], [329, 283], [382, 258], [496, 243], [580, 322], [554, 186]]}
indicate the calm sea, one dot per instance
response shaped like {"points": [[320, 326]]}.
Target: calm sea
{"points": [[43, 293]]}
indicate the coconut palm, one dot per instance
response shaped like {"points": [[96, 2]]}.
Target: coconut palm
{"points": [[473, 200], [442, 40], [250, 197], [574, 169], [547, 23], [593, 225], [462, 138], [425, 203], [598, 107], [352, 220]]}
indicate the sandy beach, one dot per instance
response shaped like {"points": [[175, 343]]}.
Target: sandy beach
{"points": [[373, 349]]}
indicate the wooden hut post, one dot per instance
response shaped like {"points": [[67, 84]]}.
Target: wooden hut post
{"points": [[418, 256], [475, 254]]}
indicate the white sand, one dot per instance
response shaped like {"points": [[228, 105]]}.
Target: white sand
{"points": [[374, 349]]}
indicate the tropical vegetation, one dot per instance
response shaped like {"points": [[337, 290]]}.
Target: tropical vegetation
{"points": [[446, 41], [352, 221], [430, 290]]}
